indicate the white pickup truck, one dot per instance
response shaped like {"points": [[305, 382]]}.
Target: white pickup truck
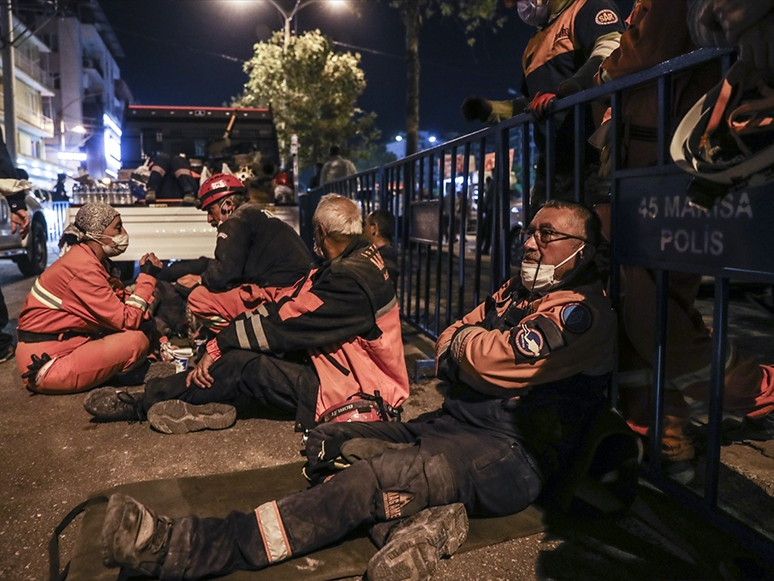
{"points": [[174, 232]]}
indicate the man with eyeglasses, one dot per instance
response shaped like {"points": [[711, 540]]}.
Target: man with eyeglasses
{"points": [[527, 372]]}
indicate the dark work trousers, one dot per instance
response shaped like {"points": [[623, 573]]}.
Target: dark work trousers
{"points": [[5, 338], [241, 377], [171, 177], [446, 461]]}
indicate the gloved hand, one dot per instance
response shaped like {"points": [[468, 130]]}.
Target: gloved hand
{"points": [[150, 264], [541, 104], [329, 462], [476, 108], [34, 367]]}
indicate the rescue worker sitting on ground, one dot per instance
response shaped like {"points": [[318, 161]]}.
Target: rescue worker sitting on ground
{"points": [[380, 229], [337, 336], [527, 370], [258, 257], [78, 327]]}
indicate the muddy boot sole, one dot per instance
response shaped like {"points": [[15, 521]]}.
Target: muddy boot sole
{"points": [[179, 417], [413, 553]]}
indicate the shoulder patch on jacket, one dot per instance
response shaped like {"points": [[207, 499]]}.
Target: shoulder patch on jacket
{"points": [[529, 341], [605, 17], [222, 235], [576, 318]]}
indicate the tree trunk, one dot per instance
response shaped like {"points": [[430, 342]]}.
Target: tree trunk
{"points": [[413, 24]]}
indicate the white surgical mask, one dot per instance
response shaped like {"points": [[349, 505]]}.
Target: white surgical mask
{"points": [[118, 244], [534, 12], [539, 278]]}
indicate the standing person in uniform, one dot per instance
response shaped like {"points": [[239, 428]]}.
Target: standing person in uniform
{"points": [[573, 38], [335, 337], [336, 167], [380, 230], [528, 370], [658, 31], [77, 327], [258, 257]]}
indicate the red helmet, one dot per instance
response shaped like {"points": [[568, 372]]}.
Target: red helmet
{"points": [[219, 186], [282, 179]]}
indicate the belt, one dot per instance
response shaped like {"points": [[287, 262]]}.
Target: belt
{"points": [[32, 337]]}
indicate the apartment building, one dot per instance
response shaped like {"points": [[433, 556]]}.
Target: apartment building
{"points": [[33, 91]]}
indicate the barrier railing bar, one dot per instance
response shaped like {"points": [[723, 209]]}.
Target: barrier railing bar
{"points": [[439, 248], [664, 117], [451, 191], [464, 228], [717, 381], [550, 156], [482, 201], [659, 387]]}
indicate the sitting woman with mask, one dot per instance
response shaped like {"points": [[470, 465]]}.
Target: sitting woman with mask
{"points": [[77, 330]]}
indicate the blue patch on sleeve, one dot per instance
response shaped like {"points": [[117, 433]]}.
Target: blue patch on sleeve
{"points": [[576, 318]]}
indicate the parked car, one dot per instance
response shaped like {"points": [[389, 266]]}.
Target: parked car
{"points": [[31, 253]]}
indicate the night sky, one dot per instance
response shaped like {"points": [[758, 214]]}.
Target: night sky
{"points": [[172, 49]]}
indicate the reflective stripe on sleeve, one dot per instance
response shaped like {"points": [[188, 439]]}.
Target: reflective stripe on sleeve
{"points": [[260, 336], [242, 334], [45, 297], [137, 301], [273, 532]]}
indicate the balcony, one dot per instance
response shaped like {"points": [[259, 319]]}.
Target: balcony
{"points": [[30, 116], [33, 70]]}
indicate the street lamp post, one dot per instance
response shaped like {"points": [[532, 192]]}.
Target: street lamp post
{"points": [[288, 16]]}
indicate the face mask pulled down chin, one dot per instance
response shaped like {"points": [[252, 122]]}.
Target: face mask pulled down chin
{"points": [[534, 12], [539, 278], [119, 244]]}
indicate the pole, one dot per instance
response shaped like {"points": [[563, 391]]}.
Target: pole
{"points": [[9, 74], [294, 154]]}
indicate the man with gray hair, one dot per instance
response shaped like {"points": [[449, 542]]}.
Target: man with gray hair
{"points": [[331, 351]]}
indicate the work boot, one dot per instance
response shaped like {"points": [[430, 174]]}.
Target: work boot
{"points": [[150, 197], [416, 544], [189, 199], [134, 536], [110, 404], [175, 416]]}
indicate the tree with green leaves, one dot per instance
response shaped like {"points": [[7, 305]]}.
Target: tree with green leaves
{"points": [[472, 13], [312, 91]]}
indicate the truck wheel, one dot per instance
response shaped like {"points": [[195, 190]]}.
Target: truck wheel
{"points": [[36, 259]]}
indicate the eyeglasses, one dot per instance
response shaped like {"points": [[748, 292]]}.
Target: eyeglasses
{"points": [[545, 236]]}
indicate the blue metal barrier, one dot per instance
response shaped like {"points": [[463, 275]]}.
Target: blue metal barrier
{"points": [[653, 226]]}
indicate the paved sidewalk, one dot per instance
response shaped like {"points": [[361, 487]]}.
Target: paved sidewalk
{"points": [[53, 457]]}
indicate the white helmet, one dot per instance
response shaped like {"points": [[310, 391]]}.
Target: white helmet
{"points": [[727, 137]]}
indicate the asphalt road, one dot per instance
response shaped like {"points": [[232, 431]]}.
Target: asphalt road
{"points": [[53, 457]]}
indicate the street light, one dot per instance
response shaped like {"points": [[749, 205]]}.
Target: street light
{"points": [[300, 5]]}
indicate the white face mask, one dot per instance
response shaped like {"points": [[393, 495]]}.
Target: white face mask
{"points": [[534, 12], [540, 277], [119, 244]]}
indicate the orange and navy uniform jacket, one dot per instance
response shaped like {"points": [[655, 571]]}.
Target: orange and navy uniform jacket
{"points": [[657, 31], [255, 247], [571, 47], [75, 294], [562, 58], [532, 367], [346, 315]]}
